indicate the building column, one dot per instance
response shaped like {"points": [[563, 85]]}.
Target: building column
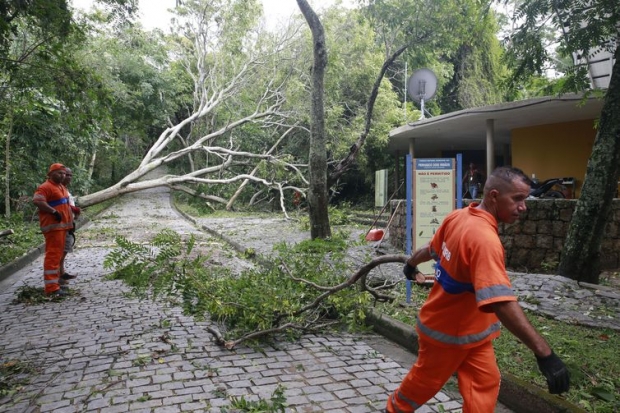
{"points": [[411, 146], [490, 146]]}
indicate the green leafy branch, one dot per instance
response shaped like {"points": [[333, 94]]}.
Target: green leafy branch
{"points": [[308, 291]]}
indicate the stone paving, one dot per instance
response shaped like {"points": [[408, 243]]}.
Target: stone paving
{"points": [[567, 300], [102, 351]]}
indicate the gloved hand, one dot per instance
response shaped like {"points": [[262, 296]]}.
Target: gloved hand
{"points": [[410, 271], [556, 373], [57, 215], [76, 210]]}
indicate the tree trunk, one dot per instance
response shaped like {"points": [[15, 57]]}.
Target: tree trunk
{"points": [[7, 168], [317, 191], [581, 258], [91, 161]]}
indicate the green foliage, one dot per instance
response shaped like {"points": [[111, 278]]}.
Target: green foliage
{"points": [[156, 266], [29, 295], [254, 300], [338, 215], [196, 204], [51, 17], [477, 62], [549, 267], [320, 247], [27, 235], [578, 26], [276, 404]]}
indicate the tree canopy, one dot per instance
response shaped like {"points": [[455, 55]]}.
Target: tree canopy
{"points": [[226, 104]]}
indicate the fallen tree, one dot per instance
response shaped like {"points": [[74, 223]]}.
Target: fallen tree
{"points": [[305, 290]]}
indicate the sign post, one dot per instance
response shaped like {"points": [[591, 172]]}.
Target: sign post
{"points": [[434, 194]]}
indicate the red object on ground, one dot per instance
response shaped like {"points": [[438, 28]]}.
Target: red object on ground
{"points": [[374, 235]]}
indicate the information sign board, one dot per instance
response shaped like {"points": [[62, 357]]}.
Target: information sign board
{"points": [[433, 199]]}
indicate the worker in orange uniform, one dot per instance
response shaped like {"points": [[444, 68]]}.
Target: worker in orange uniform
{"points": [[52, 200], [70, 237], [471, 296]]}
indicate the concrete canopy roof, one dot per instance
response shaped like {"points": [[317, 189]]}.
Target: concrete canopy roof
{"points": [[466, 129]]}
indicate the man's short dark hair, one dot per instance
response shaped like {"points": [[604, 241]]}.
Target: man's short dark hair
{"points": [[509, 174]]}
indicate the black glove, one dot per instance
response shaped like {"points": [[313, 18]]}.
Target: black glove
{"points": [[410, 271], [57, 215], [556, 373]]}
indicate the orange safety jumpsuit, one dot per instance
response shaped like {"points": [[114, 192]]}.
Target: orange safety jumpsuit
{"points": [[455, 325], [57, 196]]}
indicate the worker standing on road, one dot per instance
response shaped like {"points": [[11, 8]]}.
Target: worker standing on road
{"points": [[70, 238], [52, 200], [471, 296]]}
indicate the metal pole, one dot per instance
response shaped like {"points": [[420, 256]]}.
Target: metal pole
{"points": [[409, 226], [405, 104]]}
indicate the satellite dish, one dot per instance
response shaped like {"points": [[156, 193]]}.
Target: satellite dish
{"points": [[422, 86]]}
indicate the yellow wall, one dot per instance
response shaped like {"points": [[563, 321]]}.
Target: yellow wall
{"points": [[555, 150]]}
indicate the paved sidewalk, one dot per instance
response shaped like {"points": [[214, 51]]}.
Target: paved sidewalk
{"points": [[100, 351]]}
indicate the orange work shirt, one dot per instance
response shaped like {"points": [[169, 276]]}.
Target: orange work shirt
{"points": [[57, 196], [470, 274]]}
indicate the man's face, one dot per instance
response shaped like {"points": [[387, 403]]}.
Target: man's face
{"points": [[510, 202], [68, 177], [57, 176]]}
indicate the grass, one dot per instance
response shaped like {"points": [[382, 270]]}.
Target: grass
{"points": [[25, 237], [590, 353]]}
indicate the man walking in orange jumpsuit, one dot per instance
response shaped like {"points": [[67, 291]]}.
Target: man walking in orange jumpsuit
{"points": [[52, 200], [472, 295]]}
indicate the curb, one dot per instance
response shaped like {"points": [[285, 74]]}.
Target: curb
{"points": [[247, 252], [515, 393], [7, 270]]}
